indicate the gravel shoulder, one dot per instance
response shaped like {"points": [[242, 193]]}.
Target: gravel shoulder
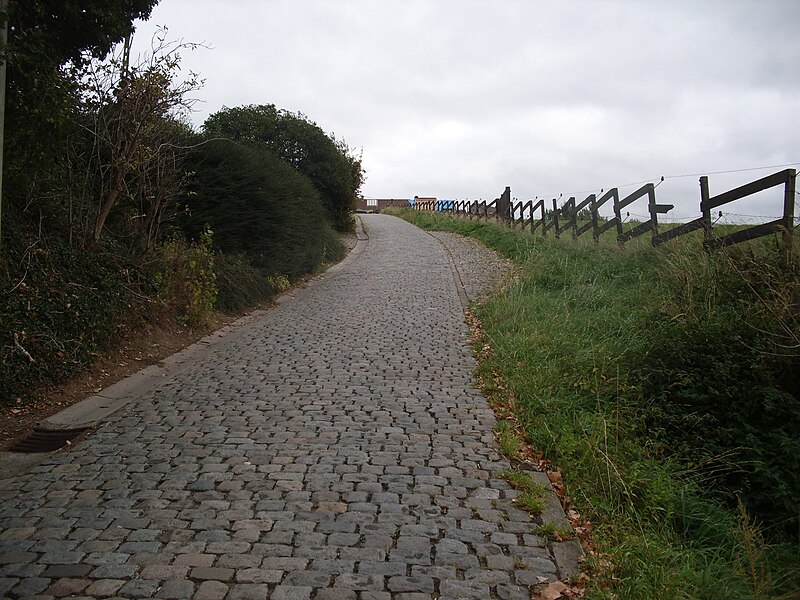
{"points": [[482, 270]]}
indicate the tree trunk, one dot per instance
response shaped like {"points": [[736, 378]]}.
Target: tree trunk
{"points": [[107, 205]]}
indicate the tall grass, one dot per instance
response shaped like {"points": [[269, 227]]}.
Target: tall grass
{"points": [[663, 383]]}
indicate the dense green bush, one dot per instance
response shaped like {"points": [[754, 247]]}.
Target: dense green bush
{"points": [[329, 164], [95, 177], [258, 206], [240, 284], [720, 379], [61, 306]]}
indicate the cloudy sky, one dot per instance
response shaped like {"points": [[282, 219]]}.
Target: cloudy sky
{"points": [[460, 98]]}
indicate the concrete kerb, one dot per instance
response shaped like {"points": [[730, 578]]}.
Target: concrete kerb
{"points": [[91, 411], [462, 292], [567, 554], [94, 409]]}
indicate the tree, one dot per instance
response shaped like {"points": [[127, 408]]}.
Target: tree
{"points": [[329, 163], [48, 42], [56, 31], [133, 118]]}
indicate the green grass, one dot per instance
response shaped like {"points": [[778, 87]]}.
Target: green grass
{"points": [[552, 532], [664, 384], [532, 494], [508, 439]]}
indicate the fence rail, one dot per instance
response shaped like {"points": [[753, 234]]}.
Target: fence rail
{"points": [[534, 214]]}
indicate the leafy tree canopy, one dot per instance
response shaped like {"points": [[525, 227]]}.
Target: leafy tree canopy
{"points": [[45, 39], [62, 30], [330, 165]]}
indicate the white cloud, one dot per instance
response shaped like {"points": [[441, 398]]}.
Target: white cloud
{"points": [[459, 98]]}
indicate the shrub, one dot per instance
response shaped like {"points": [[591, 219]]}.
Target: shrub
{"points": [[241, 285], [258, 206], [329, 164], [186, 278], [720, 388], [60, 306]]}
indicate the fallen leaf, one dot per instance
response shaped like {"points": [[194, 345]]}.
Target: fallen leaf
{"points": [[553, 591], [554, 476]]}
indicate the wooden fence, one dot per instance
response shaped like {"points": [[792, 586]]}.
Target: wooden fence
{"points": [[559, 220]]}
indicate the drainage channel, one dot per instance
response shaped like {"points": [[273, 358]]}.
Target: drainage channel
{"points": [[48, 440]]}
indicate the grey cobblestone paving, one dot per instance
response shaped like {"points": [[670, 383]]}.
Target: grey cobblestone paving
{"points": [[334, 448]]}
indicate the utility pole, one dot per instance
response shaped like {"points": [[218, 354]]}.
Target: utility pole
{"points": [[3, 53]]}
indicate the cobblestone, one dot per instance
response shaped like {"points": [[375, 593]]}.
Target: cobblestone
{"points": [[333, 447]]}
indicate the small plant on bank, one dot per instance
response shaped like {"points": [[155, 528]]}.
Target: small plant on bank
{"points": [[186, 278], [552, 532], [201, 280], [279, 283], [508, 439], [532, 496]]}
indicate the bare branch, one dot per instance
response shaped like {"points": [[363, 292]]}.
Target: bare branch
{"points": [[19, 347]]}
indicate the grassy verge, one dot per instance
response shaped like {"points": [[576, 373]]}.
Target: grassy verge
{"points": [[663, 383]]}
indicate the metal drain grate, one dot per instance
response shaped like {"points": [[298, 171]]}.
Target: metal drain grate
{"points": [[47, 440]]}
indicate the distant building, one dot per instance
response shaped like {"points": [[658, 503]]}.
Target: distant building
{"points": [[378, 204]]}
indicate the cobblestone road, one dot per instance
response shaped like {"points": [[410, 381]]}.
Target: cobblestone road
{"points": [[335, 448]]}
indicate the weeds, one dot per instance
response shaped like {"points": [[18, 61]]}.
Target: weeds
{"points": [[508, 439], [532, 494], [751, 557], [664, 383], [278, 283], [186, 278], [552, 532]]}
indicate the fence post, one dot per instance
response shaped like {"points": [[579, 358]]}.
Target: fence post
{"points": [[788, 215], [503, 205], [618, 215], [705, 210], [529, 206], [573, 215], [555, 217]]}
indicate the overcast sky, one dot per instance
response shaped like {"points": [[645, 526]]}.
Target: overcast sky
{"points": [[460, 98]]}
